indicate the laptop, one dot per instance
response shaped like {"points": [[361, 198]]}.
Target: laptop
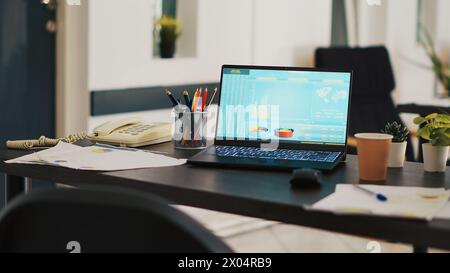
{"points": [[281, 118]]}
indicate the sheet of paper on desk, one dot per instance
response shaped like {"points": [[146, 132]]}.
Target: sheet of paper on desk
{"points": [[35, 158], [98, 158], [405, 202]]}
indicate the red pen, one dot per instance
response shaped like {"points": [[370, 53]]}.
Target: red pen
{"points": [[205, 95]]}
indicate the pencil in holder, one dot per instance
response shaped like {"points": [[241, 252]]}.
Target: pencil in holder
{"points": [[190, 129]]}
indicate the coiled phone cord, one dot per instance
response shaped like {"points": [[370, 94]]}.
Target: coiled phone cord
{"points": [[43, 142]]}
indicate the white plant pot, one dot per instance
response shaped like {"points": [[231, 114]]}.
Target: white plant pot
{"points": [[397, 155], [435, 158]]}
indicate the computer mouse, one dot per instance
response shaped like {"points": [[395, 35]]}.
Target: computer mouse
{"points": [[306, 179]]}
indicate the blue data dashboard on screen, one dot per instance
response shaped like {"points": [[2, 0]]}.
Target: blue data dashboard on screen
{"points": [[297, 106]]}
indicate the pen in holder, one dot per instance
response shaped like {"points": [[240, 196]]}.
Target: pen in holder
{"points": [[190, 129]]}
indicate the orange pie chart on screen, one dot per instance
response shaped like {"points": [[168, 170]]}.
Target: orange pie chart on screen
{"points": [[284, 133]]}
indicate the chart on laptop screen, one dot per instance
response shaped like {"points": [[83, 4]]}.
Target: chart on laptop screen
{"points": [[293, 106]]}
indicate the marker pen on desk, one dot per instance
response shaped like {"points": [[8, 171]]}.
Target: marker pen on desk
{"points": [[204, 97], [380, 197], [195, 100], [191, 105], [172, 99], [212, 97], [199, 102], [187, 100]]}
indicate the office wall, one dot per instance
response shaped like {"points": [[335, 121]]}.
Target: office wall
{"points": [[414, 84], [277, 32], [120, 42], [394, 24], [371, 22], [233, 31], [287, 32]]}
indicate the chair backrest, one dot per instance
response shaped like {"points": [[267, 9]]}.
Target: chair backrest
{"points": [[372, 69], [92, 221], [373, 82]]}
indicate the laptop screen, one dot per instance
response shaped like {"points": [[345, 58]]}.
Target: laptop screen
{"points": [[308, 107]]}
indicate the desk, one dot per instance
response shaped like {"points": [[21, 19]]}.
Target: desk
{"points": [[260, 194]]}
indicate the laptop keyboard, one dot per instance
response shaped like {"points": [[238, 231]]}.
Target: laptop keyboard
{"points": [[296, 155]]}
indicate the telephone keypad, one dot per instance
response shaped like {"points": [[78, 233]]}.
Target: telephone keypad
{"points": [[136, 130]]}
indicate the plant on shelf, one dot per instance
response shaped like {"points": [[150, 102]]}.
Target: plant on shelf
{"points": [[440, 68], [435, 128], [167, 30], [398, 145]]}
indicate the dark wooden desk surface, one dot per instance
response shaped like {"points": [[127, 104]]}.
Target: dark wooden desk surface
{"points": [[261, 194]]}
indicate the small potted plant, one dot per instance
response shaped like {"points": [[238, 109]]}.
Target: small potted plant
{"points": [[436, 129], [399, 143], [167, 30]]}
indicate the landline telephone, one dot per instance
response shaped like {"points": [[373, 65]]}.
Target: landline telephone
{"points": [[129, 132], [132, 133]]}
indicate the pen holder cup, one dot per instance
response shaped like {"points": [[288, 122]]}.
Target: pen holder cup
{"points": [[189, 130]]}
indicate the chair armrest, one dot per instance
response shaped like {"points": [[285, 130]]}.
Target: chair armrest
{"points": [[422, 110]]}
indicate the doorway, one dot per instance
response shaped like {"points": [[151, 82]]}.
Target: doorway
{"points": [[27, 71]]}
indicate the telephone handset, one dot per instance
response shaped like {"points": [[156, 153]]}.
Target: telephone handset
{"points": [[130, 132]]}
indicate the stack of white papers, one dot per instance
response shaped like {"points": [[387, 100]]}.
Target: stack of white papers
{"points": [[404, 202], [98, 158]]}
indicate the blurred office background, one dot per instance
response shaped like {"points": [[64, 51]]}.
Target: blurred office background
{"points": [[69, 65]]}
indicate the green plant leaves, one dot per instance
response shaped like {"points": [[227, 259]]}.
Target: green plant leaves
{"points": [[419, 120], [440, 68], [169, 28], [424, 133], [435, 128], [445, 119], [397, 130], [440, 137]]}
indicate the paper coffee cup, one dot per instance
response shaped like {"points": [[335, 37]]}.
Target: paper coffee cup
{"points": [[373, 154]]}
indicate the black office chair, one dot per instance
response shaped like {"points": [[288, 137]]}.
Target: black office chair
{"points": [[372, 106], [92, 221]]}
